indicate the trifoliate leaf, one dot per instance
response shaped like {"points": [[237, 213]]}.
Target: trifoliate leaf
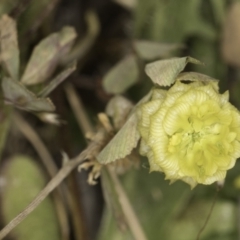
{"points": [[149, 50], [121, 76], [46, 56], [16, 94], [57, 80], [23, 180], [9, 46], [122, 143], [164, 72], [194, 76]]}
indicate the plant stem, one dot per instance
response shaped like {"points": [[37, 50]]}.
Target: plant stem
{"points": [[58, 196], [93, 148], [84, 123]]}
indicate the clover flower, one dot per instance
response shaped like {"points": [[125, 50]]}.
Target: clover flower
{"points": [[190, 132]]}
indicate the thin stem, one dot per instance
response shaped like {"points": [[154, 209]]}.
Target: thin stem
{"points": [[31, 135], [127, 209], [131, 218], [90, 151], [208, 217], [78, 110]]}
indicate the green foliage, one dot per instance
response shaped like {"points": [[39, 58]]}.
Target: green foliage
{"points": [[46, 56], [165, 72], [122, 76], [23, 180]]}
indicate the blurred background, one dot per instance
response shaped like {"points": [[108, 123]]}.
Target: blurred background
{"points": [[109, 34]]}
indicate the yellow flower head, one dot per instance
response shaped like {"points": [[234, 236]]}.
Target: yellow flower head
{"points": [[190, 132]]}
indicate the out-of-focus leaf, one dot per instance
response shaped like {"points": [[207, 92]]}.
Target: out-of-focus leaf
{"points": [[118, 108], [7, 5], [35, 13], [166, 210], [16, 94], [149, 50], [154, 201], [187, 226], [129, 4], [219, 8], [57, 80], [122, 143], [47, 55], [153, 20], [194, 76], [164, 72], [208, 52], [110, 230], [23, 180], [231, 35], [122, 76], [9, 46]]}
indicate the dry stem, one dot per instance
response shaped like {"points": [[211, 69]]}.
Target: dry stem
{"points": [[89, 152]]}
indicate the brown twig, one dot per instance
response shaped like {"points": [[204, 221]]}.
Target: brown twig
{"points": [[127, 208], [77, 107], [91, 151], [50, 166]]}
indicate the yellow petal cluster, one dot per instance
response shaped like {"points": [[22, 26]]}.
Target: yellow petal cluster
{"points": [[190, 132]]}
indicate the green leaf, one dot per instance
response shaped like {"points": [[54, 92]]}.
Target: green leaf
{"points": [[57, 80], [16, 94], [149, 50], [47, 55], [224, 210], [23, 180], [9, 46], [122, 76], [126, 138], [7, 5], [122, 143], [164, 72], [194, 76], [34, 14], [154, 200], [172, 21]]}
